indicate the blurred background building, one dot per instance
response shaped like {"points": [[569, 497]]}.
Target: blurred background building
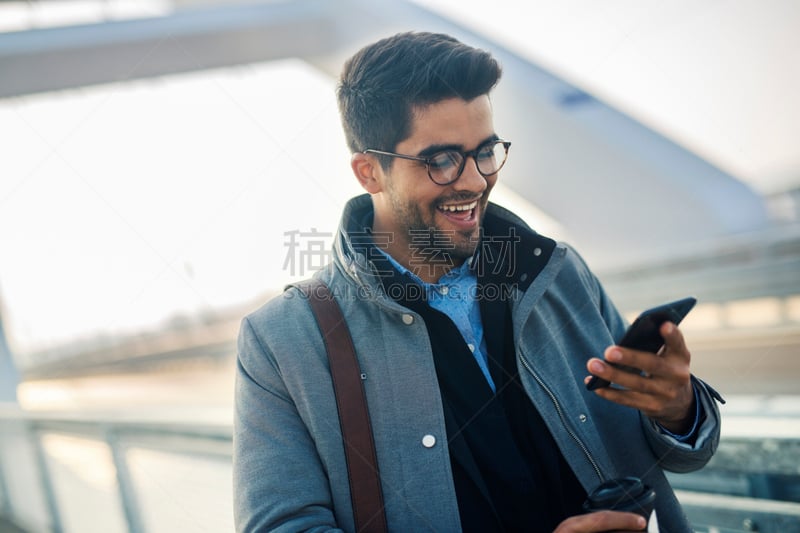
{"points": [[168, 166]]}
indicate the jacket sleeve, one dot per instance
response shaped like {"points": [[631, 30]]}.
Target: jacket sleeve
{"points": [[279, 481], [683, 457], [673, 455]]}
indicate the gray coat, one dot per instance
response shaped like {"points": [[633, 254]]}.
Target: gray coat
{"points": [[289, 464]]}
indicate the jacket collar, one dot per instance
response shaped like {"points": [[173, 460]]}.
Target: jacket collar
{"points": [[509, 253]]}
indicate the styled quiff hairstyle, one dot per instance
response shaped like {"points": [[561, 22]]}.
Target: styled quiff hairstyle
{"points": [[384, 82]]}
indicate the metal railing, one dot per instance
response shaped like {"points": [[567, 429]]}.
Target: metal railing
{"points": [[85, 473], [81, 474]]}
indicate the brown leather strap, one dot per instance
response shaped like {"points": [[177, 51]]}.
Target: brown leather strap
{"points": [[359, 448]]}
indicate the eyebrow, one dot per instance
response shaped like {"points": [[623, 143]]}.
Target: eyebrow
{"points": [[435, 148]]}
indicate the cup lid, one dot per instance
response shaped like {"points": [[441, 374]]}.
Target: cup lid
{"points": [[614, 490]]}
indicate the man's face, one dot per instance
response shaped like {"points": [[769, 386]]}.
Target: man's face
{"points": [[410, 205]]}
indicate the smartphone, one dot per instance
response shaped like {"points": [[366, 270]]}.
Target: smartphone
{"points": [[644, 334]]}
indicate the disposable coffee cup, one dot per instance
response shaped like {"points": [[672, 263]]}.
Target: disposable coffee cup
{"points": [[627, 494]]}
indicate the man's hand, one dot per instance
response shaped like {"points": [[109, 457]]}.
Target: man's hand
{"points": [[664, 393], [602, 521]]}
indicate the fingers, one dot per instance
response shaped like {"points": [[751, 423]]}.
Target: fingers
{"points": [[657, 372], [649, 404], [674, 342], [671, 362], [658, 385], [602, 521]]}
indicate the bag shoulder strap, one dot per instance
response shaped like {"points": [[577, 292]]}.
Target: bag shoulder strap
{"points": [[359, 447]]}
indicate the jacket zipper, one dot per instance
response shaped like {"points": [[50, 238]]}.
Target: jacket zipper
{"points": [[560, 412]]}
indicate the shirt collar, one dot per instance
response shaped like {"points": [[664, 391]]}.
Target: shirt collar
{"points": [[455, 275]]}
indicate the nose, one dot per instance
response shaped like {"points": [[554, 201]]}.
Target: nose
{"points": [[471, 180]]}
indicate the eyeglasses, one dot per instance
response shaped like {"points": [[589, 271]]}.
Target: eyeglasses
{"points": [[446, 166]]}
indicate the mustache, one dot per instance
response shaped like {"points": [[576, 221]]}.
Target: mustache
{"points": [[459, 198]]}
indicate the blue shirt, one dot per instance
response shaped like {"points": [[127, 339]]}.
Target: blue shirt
{"points": [[454, 295]]}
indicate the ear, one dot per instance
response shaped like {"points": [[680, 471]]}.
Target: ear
{"points": [[368, 172]]}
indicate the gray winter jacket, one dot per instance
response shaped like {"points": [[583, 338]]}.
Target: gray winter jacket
{"points": [[289, 463]]}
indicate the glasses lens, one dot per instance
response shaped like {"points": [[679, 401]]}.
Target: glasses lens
{"points": [[491, 158], [444, 166]]}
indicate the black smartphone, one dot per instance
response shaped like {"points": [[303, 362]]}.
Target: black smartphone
{"points": [[644, 334]]}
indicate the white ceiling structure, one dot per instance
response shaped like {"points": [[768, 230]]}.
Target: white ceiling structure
{"points": [[718, 77]]}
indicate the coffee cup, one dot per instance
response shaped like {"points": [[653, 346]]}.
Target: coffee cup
{"points": [[628, 494]]}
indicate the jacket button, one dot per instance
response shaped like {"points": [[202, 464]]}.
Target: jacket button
{"points": [[408, 319], [429, 441], [582, 417]]}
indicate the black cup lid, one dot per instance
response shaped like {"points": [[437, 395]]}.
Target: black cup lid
{"points": [[615, 490]]}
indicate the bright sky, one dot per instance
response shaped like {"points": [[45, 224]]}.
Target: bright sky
{"points": [[122, 205]]}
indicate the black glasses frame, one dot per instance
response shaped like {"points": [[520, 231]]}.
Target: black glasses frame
{"points": [[464, 155]]}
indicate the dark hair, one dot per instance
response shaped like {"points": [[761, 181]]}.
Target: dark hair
{"points": [[383, 82]]}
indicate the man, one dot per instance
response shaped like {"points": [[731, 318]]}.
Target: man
{"points": [[474, 333]]}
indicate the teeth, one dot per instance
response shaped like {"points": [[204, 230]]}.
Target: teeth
{"points": [[455, 208]]}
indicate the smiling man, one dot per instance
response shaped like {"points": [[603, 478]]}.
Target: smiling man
{"points": [[450, 204], [474, 336]]}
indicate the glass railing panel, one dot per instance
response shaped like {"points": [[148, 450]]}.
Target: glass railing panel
{"points": [[84, 483], [25, 498], [178, 492]]}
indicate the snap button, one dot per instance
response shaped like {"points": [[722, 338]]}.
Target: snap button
{"points": [[471, 347], [444, 290], [408, 319], [537, 252], [523, 277], [429, 441], [582, 417]]}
